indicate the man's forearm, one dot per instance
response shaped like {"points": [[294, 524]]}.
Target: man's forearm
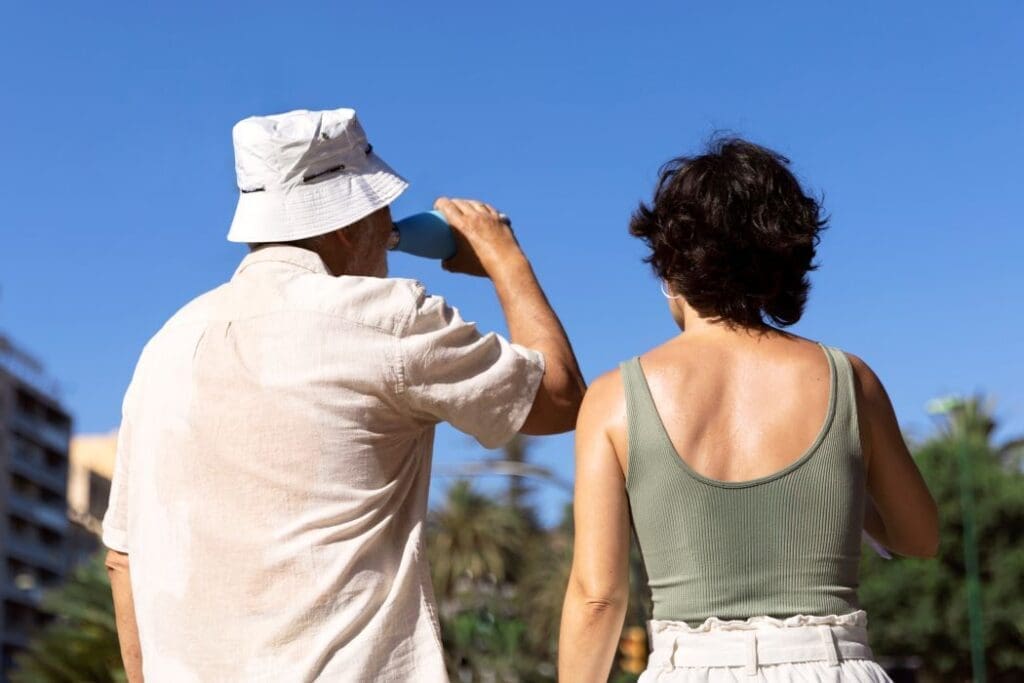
{"points": [[533, 323], [528, 314], [124, 609]]}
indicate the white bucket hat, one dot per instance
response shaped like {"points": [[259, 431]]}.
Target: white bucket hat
{"points": [[306, 173]]}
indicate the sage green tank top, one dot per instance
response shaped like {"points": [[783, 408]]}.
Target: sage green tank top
{"points": [[781, 545]]}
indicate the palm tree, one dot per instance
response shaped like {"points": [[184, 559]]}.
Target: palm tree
{"points": [[548, 561], [473, 544], [80, 644], [473, 540], [972, 419]]}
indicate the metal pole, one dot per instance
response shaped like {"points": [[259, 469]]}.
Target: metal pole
{"points": [[974, 613]]}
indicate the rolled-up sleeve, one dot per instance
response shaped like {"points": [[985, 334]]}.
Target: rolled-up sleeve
{"points": [[481, 384], [115, 521]]}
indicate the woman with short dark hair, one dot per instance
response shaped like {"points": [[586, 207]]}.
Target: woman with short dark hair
{"points": [[748, 460]]}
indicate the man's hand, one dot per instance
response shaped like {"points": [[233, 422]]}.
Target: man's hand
{"points": [[485, 243], [488, 248]]}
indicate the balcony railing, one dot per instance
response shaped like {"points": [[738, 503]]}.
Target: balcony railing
{"points": [[51, 516], [37, 472], [36, 554], [50, 435], [26, 368], [30, 598]]}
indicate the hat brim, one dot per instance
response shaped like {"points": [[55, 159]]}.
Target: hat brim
{"points": [[316, 208]]}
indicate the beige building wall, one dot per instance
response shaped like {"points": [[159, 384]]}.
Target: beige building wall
{"points": [[90, 470]]}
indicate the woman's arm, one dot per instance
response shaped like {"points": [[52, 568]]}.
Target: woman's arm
{"points": [[900, 512], [595, 600]]}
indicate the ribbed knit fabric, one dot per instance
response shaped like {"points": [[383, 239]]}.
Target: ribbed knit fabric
{"points": [[784, 544]]}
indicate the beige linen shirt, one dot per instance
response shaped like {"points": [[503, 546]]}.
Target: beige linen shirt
{"points": [[272, 472]]}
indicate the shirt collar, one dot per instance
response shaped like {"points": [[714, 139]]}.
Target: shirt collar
{"points": [[295, 256]]}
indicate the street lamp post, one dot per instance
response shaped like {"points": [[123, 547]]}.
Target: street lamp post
{"points": [[947, 406]]}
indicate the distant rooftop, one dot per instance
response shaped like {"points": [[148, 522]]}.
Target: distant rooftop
{"points": [[27, 368], [95, 452]]}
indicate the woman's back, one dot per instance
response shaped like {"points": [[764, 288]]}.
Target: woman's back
{"points": [[745, 477], [747, 460], [739, 407]]}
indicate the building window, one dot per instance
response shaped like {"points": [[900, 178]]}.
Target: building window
{"points": [[99, 495], [51, 498], [19, 527], [23, 450], [48, 579], [49, 538], [54, 461], [18, 616], [23, 486], [26, 404]]}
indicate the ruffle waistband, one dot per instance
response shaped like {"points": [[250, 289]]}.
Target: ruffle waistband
{"points": [[851, 620]]}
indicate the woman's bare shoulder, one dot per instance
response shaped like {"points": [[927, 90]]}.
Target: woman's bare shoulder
{"points": [[605, 397], [604, 410], [869, 385]]}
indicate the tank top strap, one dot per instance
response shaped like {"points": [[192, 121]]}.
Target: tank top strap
{"points": [[645, 433], [845, 428]]}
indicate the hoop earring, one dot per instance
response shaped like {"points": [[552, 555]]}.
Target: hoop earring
{"points": [[664, 291]]}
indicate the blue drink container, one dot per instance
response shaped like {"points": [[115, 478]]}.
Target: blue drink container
{"points": [[428, 235], [424, 234]]}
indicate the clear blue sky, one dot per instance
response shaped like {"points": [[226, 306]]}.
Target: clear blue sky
{"points": [[117, 185]]}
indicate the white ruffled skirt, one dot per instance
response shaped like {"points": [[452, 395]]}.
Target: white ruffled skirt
{"points": [[763, 650]]}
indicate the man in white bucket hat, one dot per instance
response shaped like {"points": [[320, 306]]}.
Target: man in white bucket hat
{"points": [[267, 511]]}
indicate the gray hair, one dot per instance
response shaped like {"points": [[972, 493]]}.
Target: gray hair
{"points": [[314, 243]]}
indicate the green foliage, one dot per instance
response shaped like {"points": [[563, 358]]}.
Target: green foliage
{"points": [[501, 599], [476, 548], [488, 644], [546, 563], [623, 677], [80, 644], [920, 606]]}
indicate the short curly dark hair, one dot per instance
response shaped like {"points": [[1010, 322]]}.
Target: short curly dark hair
{"points": [[733, 232]]}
